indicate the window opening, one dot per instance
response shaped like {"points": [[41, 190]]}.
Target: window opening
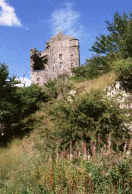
{"points": [[72, 64], [61, 64], [38, 63], [60, 56]]}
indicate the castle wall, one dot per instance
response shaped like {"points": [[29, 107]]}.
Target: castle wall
{"points": [[60, 55]]}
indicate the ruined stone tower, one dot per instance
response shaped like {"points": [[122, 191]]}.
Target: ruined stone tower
{"points": [[60, 55]]}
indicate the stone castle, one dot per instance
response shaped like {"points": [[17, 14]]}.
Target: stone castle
{"points": [[60, 55]]}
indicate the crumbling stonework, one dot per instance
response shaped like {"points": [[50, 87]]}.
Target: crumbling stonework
{"points": [[60, 55]]}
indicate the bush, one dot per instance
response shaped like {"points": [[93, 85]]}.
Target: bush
{"points": [[50, 89], [9, 99], [86, 119], [63, 85], [123, 68], [29, 96], [59, 87], [97, 65], [16, 103], [121, 176]]}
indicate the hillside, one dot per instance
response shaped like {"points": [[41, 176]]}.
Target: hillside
{"points": [[72, 135], [58, 155]]}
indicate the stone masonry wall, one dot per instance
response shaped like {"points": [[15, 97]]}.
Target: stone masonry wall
{"points": [[60, 55]]}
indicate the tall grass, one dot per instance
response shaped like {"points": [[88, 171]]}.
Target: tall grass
{"points": [[99, 83], [73, 172], [35, 164]]}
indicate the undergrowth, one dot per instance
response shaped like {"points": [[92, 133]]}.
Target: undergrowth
{"points": [[74, 147], [65, 173]]}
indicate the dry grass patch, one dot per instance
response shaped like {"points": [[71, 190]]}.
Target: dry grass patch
{"points": [[99, 83]]}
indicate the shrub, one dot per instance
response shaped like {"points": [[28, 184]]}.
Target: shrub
{"points": [[86, 119], [97, 65], [9, 99], [29, 96], [59, 87], [121, 176], [50, 89], [123, 68]]}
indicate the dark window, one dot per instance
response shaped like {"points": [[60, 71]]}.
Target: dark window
{"points": [[61, 65], [60, 56]]}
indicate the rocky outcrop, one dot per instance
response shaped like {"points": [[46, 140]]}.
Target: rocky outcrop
{"points": [[71, 95], [123, 99]]}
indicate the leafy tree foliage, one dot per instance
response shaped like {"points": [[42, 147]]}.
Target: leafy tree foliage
{"points": [[97, 65], [50, 88], [114, 47], [87, 118], [123, 68], [29, 96], [9, 99], [119, 38], [16, 103]]}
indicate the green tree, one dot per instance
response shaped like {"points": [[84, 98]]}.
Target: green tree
{"points": [[88, 117], [16, 103], [93, 67], [119, 38], [123, 69], [9, 99], [29, 97], [51, 90]]}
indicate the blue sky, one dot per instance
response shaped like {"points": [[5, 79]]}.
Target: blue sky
{"points": [[30, 23]]}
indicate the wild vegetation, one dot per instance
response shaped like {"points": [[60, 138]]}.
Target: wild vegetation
{"points": [[116, 47], [55, 145]]}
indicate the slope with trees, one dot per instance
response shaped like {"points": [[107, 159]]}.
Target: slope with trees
{"points": [[113, 51], [16, 103], [77, 146]]}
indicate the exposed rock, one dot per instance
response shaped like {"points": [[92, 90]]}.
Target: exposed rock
{"points": [[71, 95], [122, 98]]}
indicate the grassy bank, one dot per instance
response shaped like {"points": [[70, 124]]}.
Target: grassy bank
{"points": [[42, 162]]}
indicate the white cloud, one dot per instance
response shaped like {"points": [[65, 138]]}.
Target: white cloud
{"points": [[67, 20], [8, 16]]}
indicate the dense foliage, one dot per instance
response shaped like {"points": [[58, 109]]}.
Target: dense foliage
{"points": [[9, 100], [88, 119], [119, 38], [112, 49], [94, 67], [101, 174], [123, 68], [51, 90], [29, 96], [16, 103], [81, 145], [59, 87]]}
